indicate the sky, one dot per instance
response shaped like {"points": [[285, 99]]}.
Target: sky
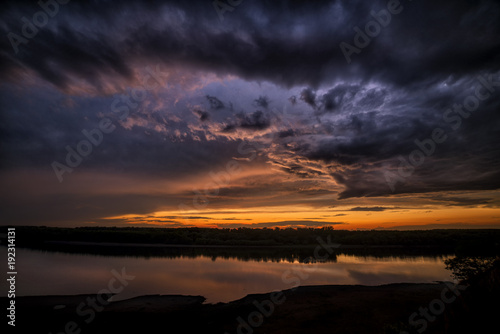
{"points": [[239, 113]]}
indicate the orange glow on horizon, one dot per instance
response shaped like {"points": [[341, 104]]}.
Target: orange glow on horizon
{"points": [[340, 219]]}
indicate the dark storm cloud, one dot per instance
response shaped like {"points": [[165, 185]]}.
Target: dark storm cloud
{"points": [[370, 112], [336, 97], [229, 128], [378, 130], [286, 133], [254, 121], [460, 201], [202, 114], [257, 120], [344, 98], [215, 103], [308, 96], [68, 55], [418, 46], [37, 129], [262, 102]]}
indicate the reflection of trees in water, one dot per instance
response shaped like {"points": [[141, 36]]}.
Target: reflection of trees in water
{"points": [[265, 254]]}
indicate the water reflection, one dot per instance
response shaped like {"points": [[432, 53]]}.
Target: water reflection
{"points": [[273, 254], [220, 275]]}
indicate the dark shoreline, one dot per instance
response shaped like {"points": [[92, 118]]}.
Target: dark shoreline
{"points": [[118, 244], [465, 240], [311, 309]]}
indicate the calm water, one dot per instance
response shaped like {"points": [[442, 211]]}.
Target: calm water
{"points": [[219, 279]]}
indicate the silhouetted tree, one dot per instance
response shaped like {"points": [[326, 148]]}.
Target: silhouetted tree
{"points": [[469, 267]]}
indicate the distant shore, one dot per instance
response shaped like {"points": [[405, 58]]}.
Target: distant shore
{"points": [[127, 244], [478, 241]]}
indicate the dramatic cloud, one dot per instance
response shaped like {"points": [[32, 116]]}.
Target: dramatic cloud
{"points": [[215, 103], [375, 208], [203, 115], [167, 104], [308, 96]]}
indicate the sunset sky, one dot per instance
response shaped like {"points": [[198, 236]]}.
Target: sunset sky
{"points": [[351, 114]]}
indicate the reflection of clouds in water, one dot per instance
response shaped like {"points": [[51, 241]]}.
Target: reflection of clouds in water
{"points": [[377, 278]]}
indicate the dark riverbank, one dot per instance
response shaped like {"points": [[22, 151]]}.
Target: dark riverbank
{"points": [[308, 309], [194, 237]]}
